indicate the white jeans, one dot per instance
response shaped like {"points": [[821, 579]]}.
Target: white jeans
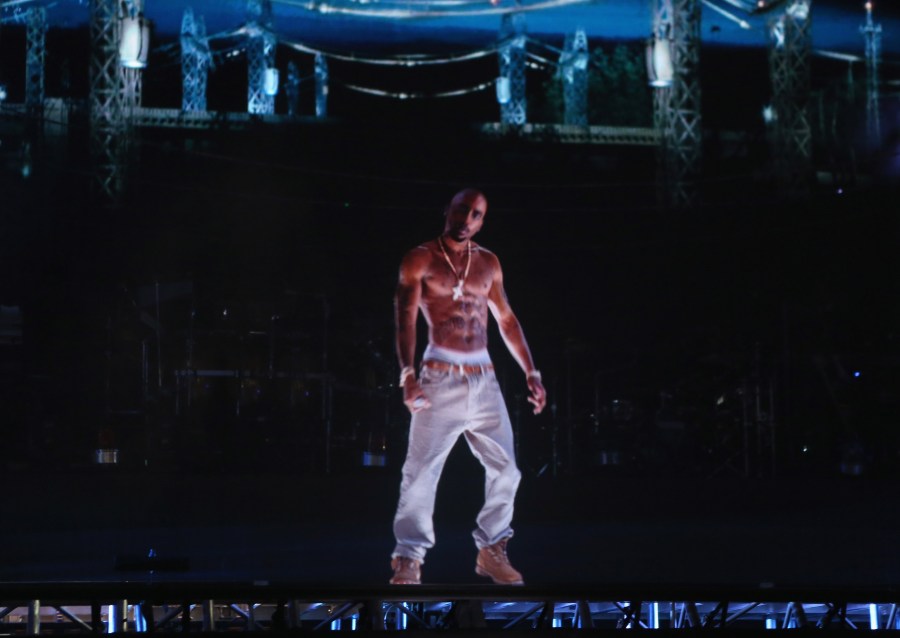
{"points": [[470, 405]]}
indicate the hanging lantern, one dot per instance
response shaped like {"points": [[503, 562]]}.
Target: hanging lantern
{"points": [[504, 92], [659, 62], [270, 81], [134, 42]]}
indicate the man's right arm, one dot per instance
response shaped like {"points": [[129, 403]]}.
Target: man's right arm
{"points": [[406, 311]]}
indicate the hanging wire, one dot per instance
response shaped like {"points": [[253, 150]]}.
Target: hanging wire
{"points": [[405, 61], [542, 59], [408, 13], [416, 96]]}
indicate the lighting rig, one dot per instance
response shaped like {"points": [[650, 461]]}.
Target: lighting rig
{"points": [[871, 33]]}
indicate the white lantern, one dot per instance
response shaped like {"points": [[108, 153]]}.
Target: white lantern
{"points": [[270, 81], [504, 93], [134, 42], [659, 63]]}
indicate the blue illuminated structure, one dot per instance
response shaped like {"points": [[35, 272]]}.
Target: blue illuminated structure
{"points": [[36, 38], [292, 89], [789, 56], [573, 71], [195, 62], [677, 104], [261, 44], [106, 98], [321, 85], [450, 609], [511, 87], [872, 34]]}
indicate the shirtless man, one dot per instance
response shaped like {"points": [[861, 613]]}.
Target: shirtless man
{"points": [[454, 282]]}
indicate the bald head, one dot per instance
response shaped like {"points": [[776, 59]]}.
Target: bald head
{"points": [[465, 214]]}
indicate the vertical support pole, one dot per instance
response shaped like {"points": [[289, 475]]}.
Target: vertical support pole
{"points": [[872, 34], [209, 616], [260, 57], [511, 83], [573, 71], [195, 62], [321, 73], [292, 89], [799, 615], [789, 54], [36, 42], [107, 83], [677, 106], [118, 617], [33, 627]]}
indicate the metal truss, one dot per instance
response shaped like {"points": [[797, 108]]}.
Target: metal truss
{"points": [[195, 62], [872, 34], [292, 89], [789, 55], [144, 117], [199, 120], [107, 103], [115, 95], [36, 42], [260, 57], [573, 71], [321, 73], [513, 104], [53, 608], [677, 106], [565, 134]]}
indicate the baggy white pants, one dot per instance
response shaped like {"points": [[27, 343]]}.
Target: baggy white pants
{"points": [[470, 405]]}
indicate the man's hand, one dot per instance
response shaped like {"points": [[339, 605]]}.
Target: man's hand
{"points": [[413, 396], [538, 396]]}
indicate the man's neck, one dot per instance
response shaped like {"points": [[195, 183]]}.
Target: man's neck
{"points": [[453, 245]]}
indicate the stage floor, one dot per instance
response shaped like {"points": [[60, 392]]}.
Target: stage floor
{"points": [[336, 530]]}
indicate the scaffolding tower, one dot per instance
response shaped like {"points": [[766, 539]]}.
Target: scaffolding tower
{"points": [[789, 55], [195, 62], [107, 107], [321, 73], [573, 71], [260, 57], [511, 82], [292, 89], [36, 42], [872, 34], [677, 106]]}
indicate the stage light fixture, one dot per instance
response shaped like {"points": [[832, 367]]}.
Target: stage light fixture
{"points": [[134, 41], [504, 92], [3, 93], [799, 9], [659, 62], [270, 81]]}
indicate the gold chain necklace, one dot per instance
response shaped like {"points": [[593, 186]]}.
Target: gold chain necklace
{"points": [[458, 288]]}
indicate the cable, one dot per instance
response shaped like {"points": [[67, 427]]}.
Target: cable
{"points": [[416, 96], [405, 14], [406, 61]]}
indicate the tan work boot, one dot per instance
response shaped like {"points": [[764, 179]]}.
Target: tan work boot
{"points": [[407, 571], [493, 563]]}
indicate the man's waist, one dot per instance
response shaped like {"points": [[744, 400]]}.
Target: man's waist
{"points": [[459, 368], [434, 352]]}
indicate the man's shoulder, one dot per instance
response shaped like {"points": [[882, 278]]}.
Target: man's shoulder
{"points": [[420, 251], [418, 256], [484, 253]]}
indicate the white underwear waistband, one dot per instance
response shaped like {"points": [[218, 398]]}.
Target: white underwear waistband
{"points": [[457, 357]]}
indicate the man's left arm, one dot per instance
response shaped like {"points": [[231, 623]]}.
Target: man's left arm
{"points": [[514, 338]]}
